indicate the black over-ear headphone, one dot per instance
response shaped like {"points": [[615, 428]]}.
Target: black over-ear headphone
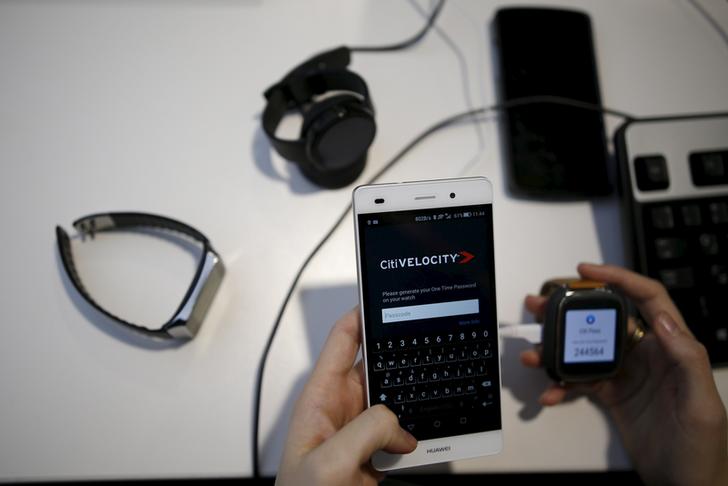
{"points": [[337, 129]]}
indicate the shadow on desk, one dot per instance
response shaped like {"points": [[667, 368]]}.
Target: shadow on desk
{"points": [[261, 151], [107, 325]]}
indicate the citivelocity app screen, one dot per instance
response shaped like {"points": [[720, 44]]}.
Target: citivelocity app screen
{"points": [[430, 318]]}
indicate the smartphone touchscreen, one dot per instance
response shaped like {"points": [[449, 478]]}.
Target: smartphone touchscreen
{"points": [[429, 308]]}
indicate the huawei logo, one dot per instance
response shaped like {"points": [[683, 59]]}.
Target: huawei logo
{"points": [[433, 450]]}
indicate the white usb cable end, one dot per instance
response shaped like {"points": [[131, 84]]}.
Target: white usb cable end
{"points": [[530, 332]]}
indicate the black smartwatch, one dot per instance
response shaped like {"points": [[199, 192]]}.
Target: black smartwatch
{"points": [[584, 332], [188, 317]]}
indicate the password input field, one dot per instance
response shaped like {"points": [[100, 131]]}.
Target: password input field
{"points": [[430, 311]]}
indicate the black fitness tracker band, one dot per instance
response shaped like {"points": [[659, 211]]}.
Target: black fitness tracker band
{"points": [[189, 315]]}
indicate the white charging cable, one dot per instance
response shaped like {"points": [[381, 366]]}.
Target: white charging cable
{"points": [[531, 332]]}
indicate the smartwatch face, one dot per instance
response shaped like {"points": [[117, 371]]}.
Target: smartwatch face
{"points": [[590, 335]]}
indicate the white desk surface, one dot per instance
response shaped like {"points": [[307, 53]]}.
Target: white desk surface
{"points": [[153, 106]]}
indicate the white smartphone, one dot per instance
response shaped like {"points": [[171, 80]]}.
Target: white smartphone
{"points": [[430, 332]]}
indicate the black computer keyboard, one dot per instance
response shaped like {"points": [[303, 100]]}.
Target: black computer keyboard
{"points": [[437, 385], [674, 179]]}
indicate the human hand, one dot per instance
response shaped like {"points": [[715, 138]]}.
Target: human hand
{"points": [[331, 437], [663, 400]]}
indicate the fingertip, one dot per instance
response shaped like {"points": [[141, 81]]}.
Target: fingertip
{"points": [[411, 440], [535, 303], [589, 265], [530, 358], [666, 323], [404, 444], [587, 269], [552, 396], [533, 298]]}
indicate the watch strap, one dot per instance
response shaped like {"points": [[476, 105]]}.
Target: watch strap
{"points": [[297, 90], [94, 223], [569, 283]]}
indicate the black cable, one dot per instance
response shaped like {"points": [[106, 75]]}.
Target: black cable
{"points": [[529, 100], [405, 43]]}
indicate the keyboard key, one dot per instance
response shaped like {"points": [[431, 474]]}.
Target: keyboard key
{"points": [[691, 215], [669, 248], [398, 379], [678, 278], [386, 380], [718, 212], [446, 374], [721, 334], [651, 172], [662, 217], [703, 308], [709, 244], [378, 363], [719, 273], [709, 168], [399, 397], [391, 363], [410, 378]]}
